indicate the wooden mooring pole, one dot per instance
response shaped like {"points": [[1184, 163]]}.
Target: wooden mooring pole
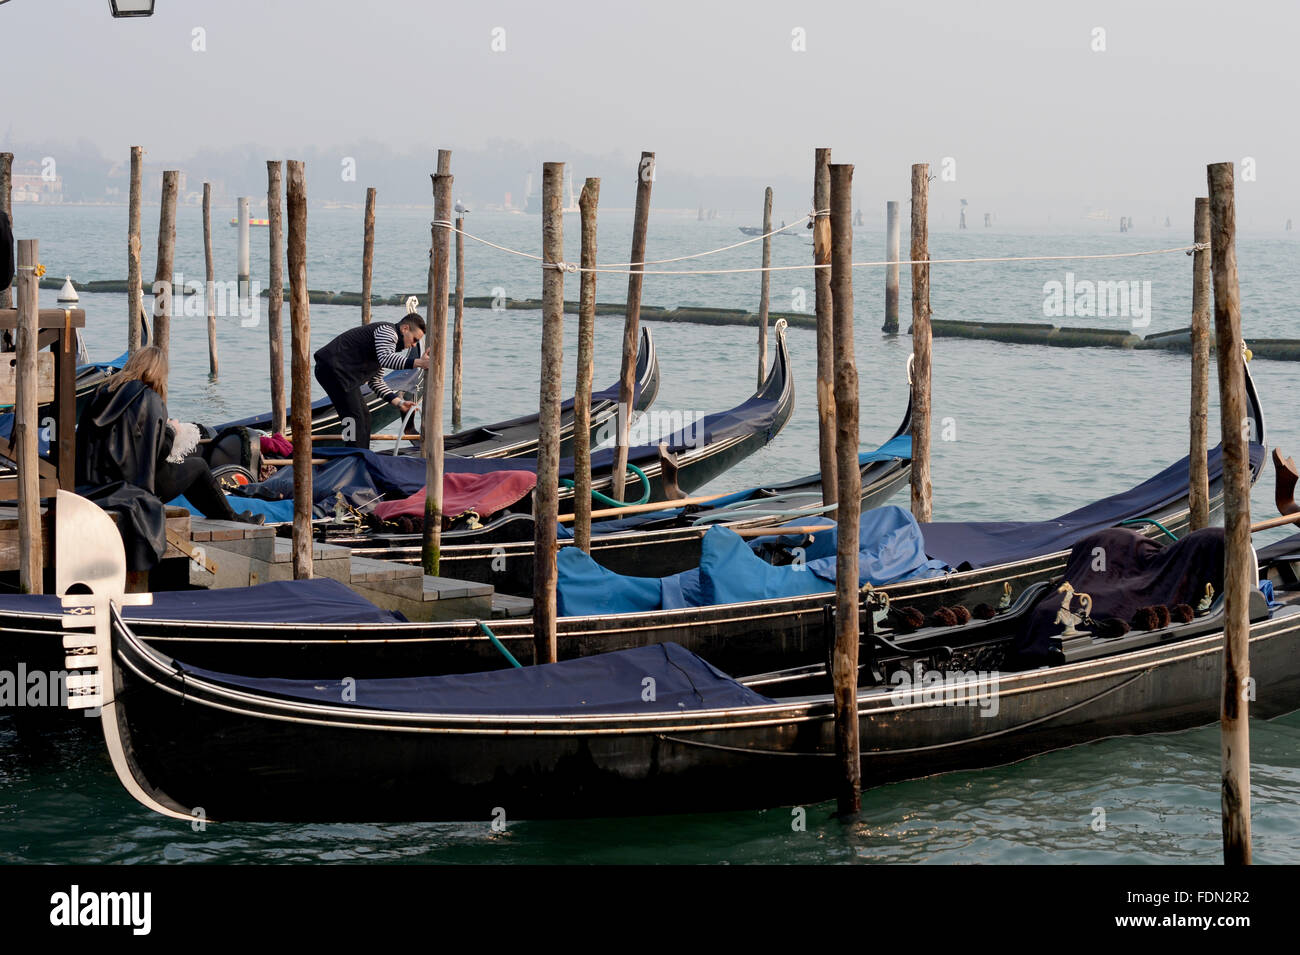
{"points": [[209, 289], [31, 559], [1198, 492], [825, 326], [587, 204], [1240, 572], [764, 286], [439, 266], [845, 658], [458, 332], [300, 344], [922, 506], [245, 251], [632, 321], [893, 244], [367, 255], [162, 276], [7, 207], [275, 294], [546, 501], [134, 301]]}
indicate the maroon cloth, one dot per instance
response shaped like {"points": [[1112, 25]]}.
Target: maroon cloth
{"points": [[484, 494], [276, 446]]}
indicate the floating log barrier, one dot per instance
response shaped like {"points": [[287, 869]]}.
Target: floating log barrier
{"points": [[1035, 333]]}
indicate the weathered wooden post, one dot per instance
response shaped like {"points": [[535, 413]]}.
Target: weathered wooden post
{"points": [[209, 290], [134, 300], [922, 506], [458, 334], [31, 559], [275, 299], [1240, 571], [825, 325], [7, 207], [300, 343], [439, 266], [1198, 493], [845, 659], [893, 245], [546, 510], [764, 286], [245, 268], [162, 276], [368, 256], [587, 204], [632, 320]]}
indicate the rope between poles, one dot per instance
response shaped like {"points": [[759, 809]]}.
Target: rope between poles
{"points": [[622, 268]]}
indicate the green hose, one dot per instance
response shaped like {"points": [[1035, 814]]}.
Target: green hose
{"points": [[1147, 520], [499, 645], [645, 490]]}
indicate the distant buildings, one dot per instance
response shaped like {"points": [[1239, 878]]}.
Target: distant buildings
{"points": [[37, 182]]}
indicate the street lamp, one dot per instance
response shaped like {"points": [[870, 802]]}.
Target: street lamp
{"points": [[131, 8]]}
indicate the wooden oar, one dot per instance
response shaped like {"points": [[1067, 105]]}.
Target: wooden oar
{"points": [[781, 531], [373, 437], [645, 508], [1276, 522]]}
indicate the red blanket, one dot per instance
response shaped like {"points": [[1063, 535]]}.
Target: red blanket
{"points": [[485, 494]]}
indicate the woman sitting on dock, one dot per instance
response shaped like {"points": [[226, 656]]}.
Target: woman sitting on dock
{"points": [[124, 435]]}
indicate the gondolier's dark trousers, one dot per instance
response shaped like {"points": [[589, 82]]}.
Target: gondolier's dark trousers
{"points": [[347, 403]]}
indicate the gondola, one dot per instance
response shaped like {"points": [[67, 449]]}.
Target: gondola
{"points": [[514, 437], [746, 637], [658, 543], [686, 459], [658, 729]]}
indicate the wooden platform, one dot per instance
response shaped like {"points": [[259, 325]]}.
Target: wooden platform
{"points": [[178, 524], [246, 554]]}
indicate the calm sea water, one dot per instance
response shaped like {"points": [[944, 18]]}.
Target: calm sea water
{"points": [[1032, 432]]}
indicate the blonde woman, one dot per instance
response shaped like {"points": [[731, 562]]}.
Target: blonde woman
{"points": [[124, 435]]}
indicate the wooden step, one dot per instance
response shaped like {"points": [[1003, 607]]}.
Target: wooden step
{"points": [[504, 605]]}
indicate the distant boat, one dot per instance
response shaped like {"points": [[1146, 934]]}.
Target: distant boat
{"points": [[261, 222], [758, 230]]}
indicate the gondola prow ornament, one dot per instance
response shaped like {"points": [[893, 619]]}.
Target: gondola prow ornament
{"points": [[1067, 617]]}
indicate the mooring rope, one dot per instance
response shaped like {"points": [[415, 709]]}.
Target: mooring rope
{"points": [[623, 268]]}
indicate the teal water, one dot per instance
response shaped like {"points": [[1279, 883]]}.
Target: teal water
{"points": [[1030, 433]]}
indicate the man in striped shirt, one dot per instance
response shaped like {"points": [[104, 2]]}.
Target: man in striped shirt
{"points": [[363, 354]]}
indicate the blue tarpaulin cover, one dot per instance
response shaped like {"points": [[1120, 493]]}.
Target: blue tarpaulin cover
{"points": [[616, 682], [890, 549], [275, 512], [986, 544], [319, 600]]}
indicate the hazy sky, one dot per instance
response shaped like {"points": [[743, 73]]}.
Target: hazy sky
{"points": [[1013, 92]]}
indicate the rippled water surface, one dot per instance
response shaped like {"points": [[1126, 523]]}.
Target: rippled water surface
{"points": [[1034, 432]]}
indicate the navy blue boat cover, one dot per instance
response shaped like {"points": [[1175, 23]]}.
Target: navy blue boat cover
{"points": [[664, 678], [320, 600], [987, 544]]}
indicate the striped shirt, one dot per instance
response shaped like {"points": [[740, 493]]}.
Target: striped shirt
{"points": [[364, 353]]}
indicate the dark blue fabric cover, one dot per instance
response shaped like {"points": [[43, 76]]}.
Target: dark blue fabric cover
{"points": [[987, 544], [320, 600], [606, 683]]}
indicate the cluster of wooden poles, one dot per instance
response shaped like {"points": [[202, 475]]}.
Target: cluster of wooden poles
{"points": [[1215, 281]]}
